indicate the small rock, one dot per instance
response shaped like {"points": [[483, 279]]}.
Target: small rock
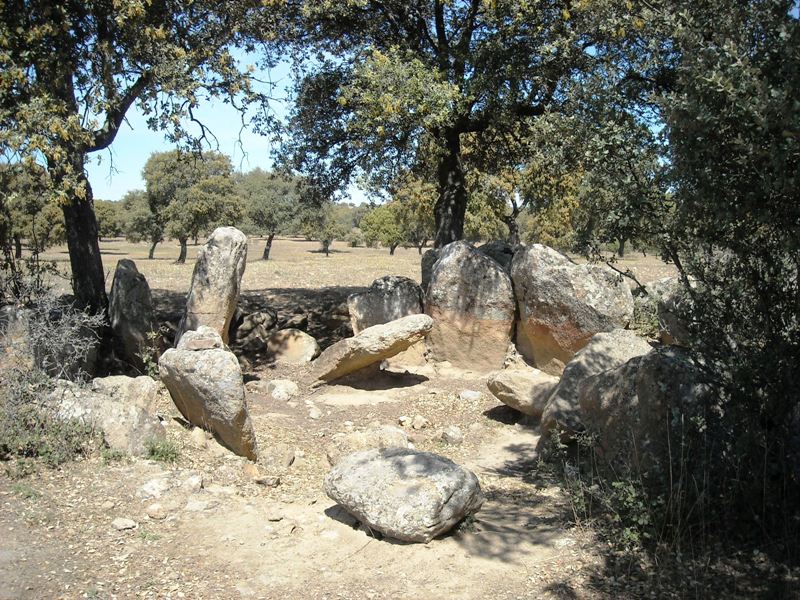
{"points": [[469, 396], [420, 422], [279, 456], [198, 438], [153, 488], [271, 482], [404, 421], [107, 505], [452, 435], [314, 413], [121, 524], [273, 513], [156, 512], [282, 389], [195, 505], [193, 483]]}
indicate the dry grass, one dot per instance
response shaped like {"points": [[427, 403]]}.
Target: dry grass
{"points": [[295, 263]]}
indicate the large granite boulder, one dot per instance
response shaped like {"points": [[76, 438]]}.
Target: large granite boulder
{"points": [[603, 352], [405, 494], [471, 301], [139, 391], [205, 382], [292, 346], [126, 427], [641, 410], [131, 313], [371, 346], [387, 299], [524, 389], [216, 282], [562, 305]]}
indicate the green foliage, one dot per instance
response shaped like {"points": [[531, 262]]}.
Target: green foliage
{"points": [[409, 84], [733, 124], [270, 200], [382, 224], [110, 219], [163, 450], [190, 194]]}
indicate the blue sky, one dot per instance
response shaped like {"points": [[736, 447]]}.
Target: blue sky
{"points": [[118, 170]]}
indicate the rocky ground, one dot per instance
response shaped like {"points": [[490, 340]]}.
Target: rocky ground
{"points": [[212, 525]]}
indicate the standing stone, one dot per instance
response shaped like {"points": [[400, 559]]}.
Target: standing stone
{"points": [[131, 314], [603, 352], [216, 282], [524, 389], [206, 386], [562, 305], [405, 494], [471, 301], [387, 299], [371, 346]]}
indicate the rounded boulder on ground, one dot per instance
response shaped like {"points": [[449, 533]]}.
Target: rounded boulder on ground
{"points": [[404, 494]]}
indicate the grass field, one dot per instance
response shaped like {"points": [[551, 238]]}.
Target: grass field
{"points": [[295, 263]]}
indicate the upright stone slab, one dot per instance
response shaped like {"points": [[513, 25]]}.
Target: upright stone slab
{"points": [[562, 305], [205, 382], [387, 299], [216, 283], [131, 314], [471, 301]]}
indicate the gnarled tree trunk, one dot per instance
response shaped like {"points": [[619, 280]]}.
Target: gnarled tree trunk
{"points": [[152, 251], [88, 280], [452, 203]]}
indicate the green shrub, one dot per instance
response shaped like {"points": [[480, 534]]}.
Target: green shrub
{"points": [[163, 450]]}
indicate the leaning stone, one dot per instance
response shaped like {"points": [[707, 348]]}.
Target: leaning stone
{"points": [[131, 313], [207, 388], [292, 346], [523, 389], [603, 352], [562, 305], [387, 299], [216, 281], [404, 494], [471, 301], [371, 346]]}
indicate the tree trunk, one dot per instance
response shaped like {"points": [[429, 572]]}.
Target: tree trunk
{"points": [[513, 230], [17, 247], [392, 248], [451, 205], [182, 255], [268, 246], [326, 247], [621, 248], [420, 246], [152, 251], [88, 280]]}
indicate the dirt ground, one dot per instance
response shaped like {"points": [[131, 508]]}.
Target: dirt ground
{"points": [[226, 529]]}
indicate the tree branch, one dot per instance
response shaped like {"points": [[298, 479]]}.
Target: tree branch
{"points": [[116, 115]]}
